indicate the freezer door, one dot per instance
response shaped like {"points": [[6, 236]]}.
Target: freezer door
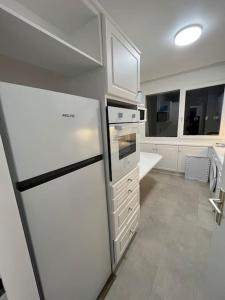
{"points": [[70, 234], [48, 130]]}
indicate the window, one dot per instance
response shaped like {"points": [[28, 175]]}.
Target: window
{"points": [[127, 145], [162, 114], [203, 108]]}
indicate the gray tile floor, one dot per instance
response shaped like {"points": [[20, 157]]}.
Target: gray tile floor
{"points": [[167, 259]]}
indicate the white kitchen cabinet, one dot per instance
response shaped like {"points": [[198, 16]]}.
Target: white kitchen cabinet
{"points": [[122, 63], [151, 148], [169, 157], [183, 151], [173, 156], [122, 241]]}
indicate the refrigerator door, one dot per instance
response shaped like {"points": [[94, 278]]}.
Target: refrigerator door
{"points": [[48, 130], [70, 233]]}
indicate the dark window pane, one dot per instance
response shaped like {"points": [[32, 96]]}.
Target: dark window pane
{"points": [[203, 108], [162, 114], [127, 145]]}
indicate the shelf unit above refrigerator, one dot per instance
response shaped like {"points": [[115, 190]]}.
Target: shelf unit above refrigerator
{"points": [[29, 35]]}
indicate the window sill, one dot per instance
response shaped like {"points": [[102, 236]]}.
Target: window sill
{"points": [[187, 141]]}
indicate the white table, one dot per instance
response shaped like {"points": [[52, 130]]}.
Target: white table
{"points": [[147, 162]]}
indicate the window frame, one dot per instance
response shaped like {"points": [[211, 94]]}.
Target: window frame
{"points": [[165, 137], [181, 120], [181, 114]]}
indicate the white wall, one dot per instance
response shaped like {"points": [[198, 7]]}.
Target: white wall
{"points": [[89, 84], [17, 72], [194, 79], [15, 265]]}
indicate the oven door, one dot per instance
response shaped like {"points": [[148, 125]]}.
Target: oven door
{"points": [[124, 149]]}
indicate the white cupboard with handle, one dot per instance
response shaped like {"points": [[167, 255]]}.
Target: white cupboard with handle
{"points": [[151, 148], [174, 156], [123, 64], [169, 157]]}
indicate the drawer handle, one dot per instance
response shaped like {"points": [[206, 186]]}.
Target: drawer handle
{"points": [[131, 231], [130, 191], [129, 180], [130, 209]]}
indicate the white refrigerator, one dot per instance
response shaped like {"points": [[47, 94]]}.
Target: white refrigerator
{"points": [[54, 151]]}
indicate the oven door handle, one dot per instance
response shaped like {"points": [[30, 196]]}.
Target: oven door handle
{"points": [[121, 127]]}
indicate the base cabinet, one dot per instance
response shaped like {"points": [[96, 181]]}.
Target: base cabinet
{"points": [[125, 212], [122, 241], [150, 148], [174, 156], [169, 157]]}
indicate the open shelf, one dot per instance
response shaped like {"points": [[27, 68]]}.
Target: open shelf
{"points": [[69, 51]]}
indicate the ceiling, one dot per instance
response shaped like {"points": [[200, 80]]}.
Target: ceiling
{"points": [[152, 24]]}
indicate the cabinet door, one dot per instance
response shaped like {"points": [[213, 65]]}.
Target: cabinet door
{"points": [[151, 148], [189, 150], [169, 157], [123, 65]]}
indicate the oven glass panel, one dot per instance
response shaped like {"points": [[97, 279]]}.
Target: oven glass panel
{"points": [[127, 145]]}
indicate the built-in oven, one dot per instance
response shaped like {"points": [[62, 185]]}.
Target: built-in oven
{"points": [[124, 141]]}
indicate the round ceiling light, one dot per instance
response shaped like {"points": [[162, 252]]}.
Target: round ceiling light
{"points": [[188, 35]]}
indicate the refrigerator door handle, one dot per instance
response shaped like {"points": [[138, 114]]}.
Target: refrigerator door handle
{"points": [[43, 178]]}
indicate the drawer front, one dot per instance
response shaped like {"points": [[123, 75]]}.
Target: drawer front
{"points": [[124, 238], [124, 212], [125, 183], [125, 194]]}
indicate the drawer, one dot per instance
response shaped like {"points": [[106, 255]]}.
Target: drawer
{"points": [[124, 212], [126, 182], [122, 241], [124, 195]]}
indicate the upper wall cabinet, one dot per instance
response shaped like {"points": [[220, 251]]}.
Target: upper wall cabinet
{"points": [[123, 64], [63, 36]]}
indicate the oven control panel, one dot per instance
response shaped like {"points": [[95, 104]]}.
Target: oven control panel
{"points": [[122, 115]]}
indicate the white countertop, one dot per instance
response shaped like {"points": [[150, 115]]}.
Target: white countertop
{"points": [[220, 152], [181, 143], [147, 162]]}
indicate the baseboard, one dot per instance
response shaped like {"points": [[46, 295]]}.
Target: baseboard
{"points": [[107, 287], [168, 172]]}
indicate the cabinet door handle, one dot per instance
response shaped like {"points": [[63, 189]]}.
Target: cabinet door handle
{"points": [[131, 231], [218, 205], [130, 209], [130, 191], [215, 207], [129, 180]]}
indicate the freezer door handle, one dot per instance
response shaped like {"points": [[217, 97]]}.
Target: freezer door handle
{"points": [[43, 178]]}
